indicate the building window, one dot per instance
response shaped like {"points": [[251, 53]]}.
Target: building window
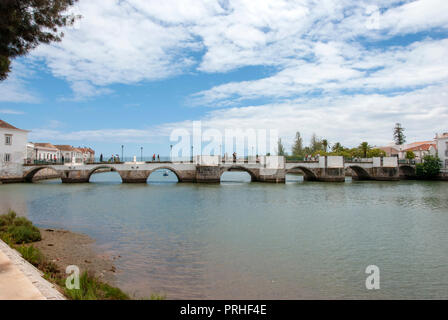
{"points": [[446, 164], [8, 139], [7, 157]]}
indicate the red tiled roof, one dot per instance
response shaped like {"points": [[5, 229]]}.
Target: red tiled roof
{"points": [[64, 147], [391, 150], [422, 147], [45, 145], [6, 125]]}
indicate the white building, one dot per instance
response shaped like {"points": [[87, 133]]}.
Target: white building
{"points": [[69, 154], [46, 152], [420, 150], [88, 155], [30, 153], [13, 151], [442, 149]]}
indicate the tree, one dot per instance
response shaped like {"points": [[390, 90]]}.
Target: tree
{"points": [[316, 143], [337, 147], [430, 167], [399, 136], [280, 148], [364, 147], [410, 155], [297, 149], [24, 24], [375, 152], [325, 144]]}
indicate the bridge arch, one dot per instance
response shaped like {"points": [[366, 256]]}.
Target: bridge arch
{"points": [[94, 170], [29, 175], [407, 172], [253, 175], [360, 172], [308, 175], [169, 168]]}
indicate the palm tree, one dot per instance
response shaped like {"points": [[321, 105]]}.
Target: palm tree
{"points": [[364, 148], [337, 147], [325, 144]]}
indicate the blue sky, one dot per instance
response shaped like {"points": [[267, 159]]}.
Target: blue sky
{"points": [[129, 72]]}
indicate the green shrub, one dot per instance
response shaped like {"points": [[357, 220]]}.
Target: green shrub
{"points": [[31, 254], [430, 167], [17, 230], [93, 289]]}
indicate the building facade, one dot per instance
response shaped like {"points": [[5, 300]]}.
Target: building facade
{"points": [[69, 154], [13, 150], [46, 152], [88, 155], [442, 149]]}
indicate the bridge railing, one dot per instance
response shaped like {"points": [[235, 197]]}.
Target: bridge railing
{"points": [[30, 162]]}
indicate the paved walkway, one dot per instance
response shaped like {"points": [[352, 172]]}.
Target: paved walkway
{"points": [[19, 280]]}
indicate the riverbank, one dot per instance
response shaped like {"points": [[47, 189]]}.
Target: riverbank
{"points": [[65, 248], [51, 251]]}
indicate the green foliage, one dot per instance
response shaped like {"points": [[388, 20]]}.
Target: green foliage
{"points": [[297, 149], [364, 148], [24, 24], [17, 230], [155, 296], [410, 155], [375, 152], [337, 147], [93, 289], [430, 167], [280, 148], [31, 254], [325, 145], [399, 136], [316, 144]]}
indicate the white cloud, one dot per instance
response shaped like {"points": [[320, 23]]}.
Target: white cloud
{"points": [[337, 67], [10, 111], [342, 118], [326, 78], [14, 88], [415, 16], [132, 40]]}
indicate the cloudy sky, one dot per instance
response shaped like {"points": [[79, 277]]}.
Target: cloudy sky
{"points": [[130, 71]]}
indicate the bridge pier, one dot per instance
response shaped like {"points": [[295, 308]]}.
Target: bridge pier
{"points": [[385, 169], [272, 175], [208, 174], [134, 176], [75, 176], [331, 169], [331, 175]]}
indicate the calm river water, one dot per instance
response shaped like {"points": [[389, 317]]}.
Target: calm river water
{"points": [[240, 240]]}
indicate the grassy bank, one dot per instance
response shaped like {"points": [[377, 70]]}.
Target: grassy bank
{"points": [[20, 234]]}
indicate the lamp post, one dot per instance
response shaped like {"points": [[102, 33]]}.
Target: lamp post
{"points": [[171, 153], [141, 154], [122, 152], [192, 157]]}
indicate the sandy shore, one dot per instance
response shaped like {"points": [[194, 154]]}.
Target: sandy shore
{"points": [[67, 248]]}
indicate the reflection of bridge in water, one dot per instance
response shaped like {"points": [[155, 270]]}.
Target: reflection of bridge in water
{"points": [[210, 168]]}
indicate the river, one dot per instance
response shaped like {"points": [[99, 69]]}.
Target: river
{"points": [[242, 240]]}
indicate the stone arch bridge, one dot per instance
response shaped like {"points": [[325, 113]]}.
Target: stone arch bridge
{"points": [[208, 169]]}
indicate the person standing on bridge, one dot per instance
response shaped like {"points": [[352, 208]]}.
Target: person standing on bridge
{"points": [[158, 157], [154, 157], [101, 157]]}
